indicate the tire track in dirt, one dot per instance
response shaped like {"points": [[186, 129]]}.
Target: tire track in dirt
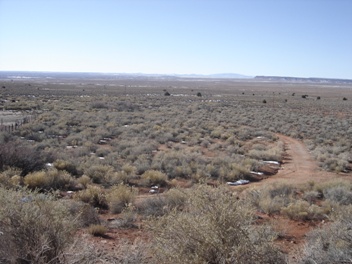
{"points": [[298, 166]]}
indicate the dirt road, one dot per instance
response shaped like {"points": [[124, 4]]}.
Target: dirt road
{"points": [[299, 166]]}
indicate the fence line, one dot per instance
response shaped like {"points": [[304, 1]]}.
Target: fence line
{"points": [[15, 125]]}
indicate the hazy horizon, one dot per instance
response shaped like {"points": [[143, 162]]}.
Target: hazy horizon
{"points": [[307, 39]]}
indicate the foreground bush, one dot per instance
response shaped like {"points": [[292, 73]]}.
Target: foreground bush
{"points": [[214, 227], [332, 243], [34, 228]]}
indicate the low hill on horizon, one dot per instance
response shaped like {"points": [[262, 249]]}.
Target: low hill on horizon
{"points": [[111, 76], [301, 79]]}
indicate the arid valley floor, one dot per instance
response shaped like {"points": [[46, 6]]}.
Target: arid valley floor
{"points": [[130, 162]]}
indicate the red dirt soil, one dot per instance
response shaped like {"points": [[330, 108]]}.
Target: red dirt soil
{"points": [[298, 167]]}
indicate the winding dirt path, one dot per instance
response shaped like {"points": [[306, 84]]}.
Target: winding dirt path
{"points": [[298, 166]]}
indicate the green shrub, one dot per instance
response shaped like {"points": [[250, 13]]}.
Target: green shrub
{"points": [[152, 206], [129, 169], [274, 154], [120, 177]]}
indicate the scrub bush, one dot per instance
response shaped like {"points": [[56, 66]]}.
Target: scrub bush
{"points": [[214, 227], [119, 197], [34, 227]]}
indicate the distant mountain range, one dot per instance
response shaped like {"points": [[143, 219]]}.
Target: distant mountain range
{"points": [[216, 76], [94, 75], [112, 76]]}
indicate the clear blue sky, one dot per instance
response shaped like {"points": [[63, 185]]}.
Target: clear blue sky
{"points": [[304, 38]]}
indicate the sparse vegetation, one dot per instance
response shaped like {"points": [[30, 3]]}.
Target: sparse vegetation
{"points": [[88, 147], [213, 228]]}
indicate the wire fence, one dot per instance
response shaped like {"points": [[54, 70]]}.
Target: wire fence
{"points": [[12, 126]]}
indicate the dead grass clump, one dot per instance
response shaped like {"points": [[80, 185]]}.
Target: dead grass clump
{"points": [[311, 196], [97, 230], [93, 195], [84, 214], [99, 173], [51, 179], [154, 177], [119, 197], [64, 165], [84, 180], [152, 206], [270, 199], [85, 251], [7, 181], [159, 205], [302, 210]]}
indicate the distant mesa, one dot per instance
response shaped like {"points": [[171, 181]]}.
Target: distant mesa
{"points": [[13, 75], [215, 76], [300, 79], [109, 76]]}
